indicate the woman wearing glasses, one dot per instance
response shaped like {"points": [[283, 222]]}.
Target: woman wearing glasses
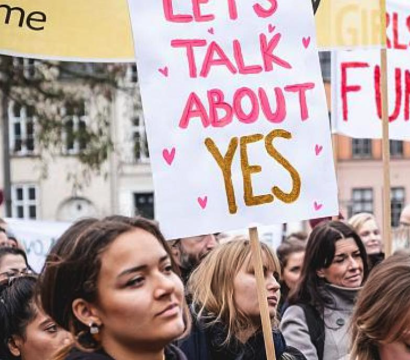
{"points": [[114, 286], [26, 332]]}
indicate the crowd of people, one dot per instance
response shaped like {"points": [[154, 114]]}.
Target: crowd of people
{"points": [[114, 288]]}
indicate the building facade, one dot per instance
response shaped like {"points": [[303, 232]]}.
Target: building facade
{"points": [[125, 185], [60, 188]]}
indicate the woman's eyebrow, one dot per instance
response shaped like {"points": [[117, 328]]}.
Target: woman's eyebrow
{"points": [[141, 267], [132, 270], [164, 258]]}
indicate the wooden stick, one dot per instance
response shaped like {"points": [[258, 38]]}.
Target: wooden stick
{"points": [[385, 140], [262, 294]]}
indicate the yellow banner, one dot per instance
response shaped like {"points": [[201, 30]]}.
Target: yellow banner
{"points": [[100, 30], [94, 30], [348, 24]]}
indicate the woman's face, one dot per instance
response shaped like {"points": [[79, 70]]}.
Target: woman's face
{"points": [[291, 272], [140, 298], [346, 269], [246, 294], [43, 338], [397, 350], [370, 234], [12, 264]]}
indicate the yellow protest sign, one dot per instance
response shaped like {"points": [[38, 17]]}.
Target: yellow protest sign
{"points": [[100, 30], [348, 24], [97, 30]]}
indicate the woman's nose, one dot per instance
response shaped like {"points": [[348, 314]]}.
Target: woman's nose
{"points": [[354, 264], [273, 284], [165, 285]]}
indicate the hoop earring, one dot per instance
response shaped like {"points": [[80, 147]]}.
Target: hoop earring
{"points": [[94, 328]]}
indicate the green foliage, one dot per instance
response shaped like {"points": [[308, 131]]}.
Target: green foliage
{"points": [[72, 105]]}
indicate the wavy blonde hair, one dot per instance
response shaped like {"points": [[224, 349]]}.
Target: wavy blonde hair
{"points": [[382, 312], [212, 285], [358, 220]]}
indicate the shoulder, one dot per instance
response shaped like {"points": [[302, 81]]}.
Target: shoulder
{"points": [[294, 321], [296, 329], [173, 353], [294, 311], [195, 345]]}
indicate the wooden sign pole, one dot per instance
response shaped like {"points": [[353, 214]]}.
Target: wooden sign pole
{"points": [[387, 235], [262, 294]]}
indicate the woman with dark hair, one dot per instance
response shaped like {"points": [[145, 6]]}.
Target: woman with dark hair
{"points": [[334, 269], [115, 288], [26, 332], [290, 254], [13, 261]]}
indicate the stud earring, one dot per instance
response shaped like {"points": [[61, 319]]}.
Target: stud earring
{"points": [[94, 328]]}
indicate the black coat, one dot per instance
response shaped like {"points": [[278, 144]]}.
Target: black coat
{"points": [[171, 353], [204, 343]]}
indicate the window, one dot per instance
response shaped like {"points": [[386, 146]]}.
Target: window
{"points": [[139, 136], [27, 66], [144, 205], [396, 148], [75, 123], [22, 129], [397, 204], [24, 201], [361, 148], [362, 201], [132, 74], [325, 62]]}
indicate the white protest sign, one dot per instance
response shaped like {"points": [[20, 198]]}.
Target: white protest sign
{"points": [[236, 113], [356, 83], [37, 237]]}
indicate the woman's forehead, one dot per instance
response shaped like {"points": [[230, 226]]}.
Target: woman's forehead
{"points": [[137, 248], [267, 260]]}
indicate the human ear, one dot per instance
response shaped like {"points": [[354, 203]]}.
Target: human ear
{"points": [[86, 312], [14, 344]]}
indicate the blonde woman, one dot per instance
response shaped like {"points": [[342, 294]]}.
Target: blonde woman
{"points": [[366, 226], [227, 321], [381, 320]]}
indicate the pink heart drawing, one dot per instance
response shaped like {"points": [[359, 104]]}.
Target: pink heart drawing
{"points": [[318, 149], [168, 155], [164, 71], [211, 30], [317, 206], [203, 201], [306, 42], [271, 28]]}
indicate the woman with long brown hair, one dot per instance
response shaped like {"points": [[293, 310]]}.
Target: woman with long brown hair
{"points": [[114, 286], [381, 320]]}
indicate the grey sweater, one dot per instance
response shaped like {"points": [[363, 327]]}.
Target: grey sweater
{"points": [[295, 330]]}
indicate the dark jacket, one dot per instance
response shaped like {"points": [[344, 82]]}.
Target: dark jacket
{"points": [[205, 343], [171, 353]]}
